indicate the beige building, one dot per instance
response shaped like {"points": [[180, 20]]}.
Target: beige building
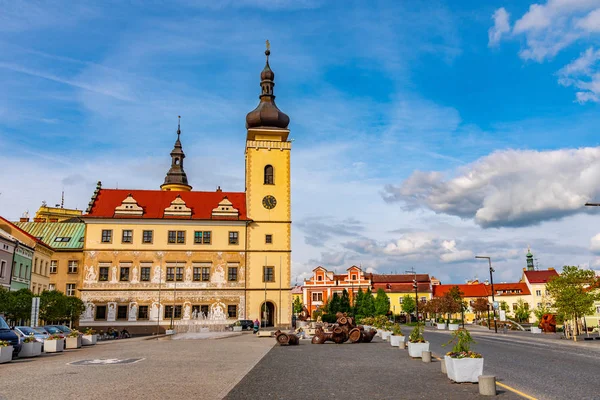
{"points": [[156, 256]]}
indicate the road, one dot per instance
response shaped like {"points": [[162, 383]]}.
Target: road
{"points": [[544, 369]]}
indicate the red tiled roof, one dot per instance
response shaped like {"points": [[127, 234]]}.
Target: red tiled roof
{"points": [[11, 226], [511, 286], [401, 287], [540, 276], [389, 278], [479, 290], [154, 203]]}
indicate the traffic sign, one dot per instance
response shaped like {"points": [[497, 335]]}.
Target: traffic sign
{"points": [[496, 305]]}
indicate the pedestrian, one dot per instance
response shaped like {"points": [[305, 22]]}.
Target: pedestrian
{"points": [[256, 325]]}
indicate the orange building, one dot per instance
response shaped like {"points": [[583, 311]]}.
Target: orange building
{"points": [[323, 284]]}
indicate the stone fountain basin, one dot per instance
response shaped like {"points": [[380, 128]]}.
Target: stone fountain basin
{"points": [[203, 335]]}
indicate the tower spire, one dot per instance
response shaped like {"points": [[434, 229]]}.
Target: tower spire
{"points": [[529, 257], [176, 179]]}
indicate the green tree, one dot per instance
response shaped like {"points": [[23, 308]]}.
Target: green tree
{"points": [[540, 311], [522, 312], [369, 304], [333, 305], [408, 304], [480, 305], [571, 294], [297, 305], [4, 296], [345, 302], [53, 305], [382, 303], [74, 307], [19, 305], [358, 304]]}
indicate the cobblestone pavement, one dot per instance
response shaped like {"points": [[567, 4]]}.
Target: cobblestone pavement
{"points": [[349, 371]]}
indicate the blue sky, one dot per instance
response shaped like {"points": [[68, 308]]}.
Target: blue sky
{"points": [[424, 132]]}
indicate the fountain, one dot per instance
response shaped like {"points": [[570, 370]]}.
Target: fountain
{"points": [[202, 325]]}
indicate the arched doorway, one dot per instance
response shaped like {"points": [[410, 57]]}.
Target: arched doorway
{"points": [[267, 314]]}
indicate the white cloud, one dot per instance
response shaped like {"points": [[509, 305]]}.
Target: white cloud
{"points": [[582, 74], [508, 188], [595, 244], [501, 26]]}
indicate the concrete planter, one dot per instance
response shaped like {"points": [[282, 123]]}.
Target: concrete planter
{"points": [[6, 353], [31, 349], [464, 369], [89, 340], [415, 349], [385, 335], [170, 331], [453, 327], [74, 342], [441, 326], [536, 330], [396, 340], [237, 328], [54, 346]]}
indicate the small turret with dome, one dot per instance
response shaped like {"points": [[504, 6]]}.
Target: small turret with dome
{"points": [[266, 114], [529, 256], [176, 179]]}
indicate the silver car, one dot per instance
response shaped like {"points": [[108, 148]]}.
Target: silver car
{"points": [[25, 331]]}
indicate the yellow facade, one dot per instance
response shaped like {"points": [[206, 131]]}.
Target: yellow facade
{"points": [[66, 269], [55, 214], [396, 300], [40, 269]]}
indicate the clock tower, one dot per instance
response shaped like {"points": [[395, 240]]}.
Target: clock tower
{"points": [[268, 275]]}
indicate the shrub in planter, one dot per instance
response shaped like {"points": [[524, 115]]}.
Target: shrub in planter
{"points": [[31, 347], [462, 364], [54, 343], [74, 340], [454, 325], [6, 351], [89, 337], [397, 336], [237, 326], [417, 343]]}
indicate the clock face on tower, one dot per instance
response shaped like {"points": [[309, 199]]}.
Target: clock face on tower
{"points": [[269, 202]]}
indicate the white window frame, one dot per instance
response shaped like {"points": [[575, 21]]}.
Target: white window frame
{"points": [[317, 296], [71, 263], [53, 266], [71, 287], [51, 287], [538, 292]]}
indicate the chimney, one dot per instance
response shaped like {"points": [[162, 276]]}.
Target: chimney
{"points": [[219, 189], [23, 219], [39, 220], [550, 268]]}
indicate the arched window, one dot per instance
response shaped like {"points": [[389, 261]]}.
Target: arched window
{"points": [[269, 175]]}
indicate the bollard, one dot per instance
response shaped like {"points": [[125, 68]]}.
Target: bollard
{"points": [[487, 385], [443, 362], [426, 356], [402, 345]]}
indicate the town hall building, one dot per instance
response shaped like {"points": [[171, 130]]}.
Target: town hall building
{"points": [[153, 256]]}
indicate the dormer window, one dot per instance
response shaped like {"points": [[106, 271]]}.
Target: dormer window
{"points": [[225, 208], [129, 206], [178, 208], [319, 278]]}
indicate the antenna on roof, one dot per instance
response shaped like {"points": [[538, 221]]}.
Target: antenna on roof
{"points": [[62, 200]]}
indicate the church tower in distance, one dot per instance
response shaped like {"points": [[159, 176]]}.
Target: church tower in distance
{"points": [[268, 202], [176, 179]]}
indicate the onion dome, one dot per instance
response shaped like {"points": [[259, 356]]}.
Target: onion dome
{"points": [[266, 114]]}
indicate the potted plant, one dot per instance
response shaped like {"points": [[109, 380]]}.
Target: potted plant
{"points": [[6, 351], [54, 343], [74, 340], [397, 336], [237, 326], [31, 347], [462, 364], [441, 324], [453, 326], [89, 337], [386, 330], [417, 343], [170, 331]]}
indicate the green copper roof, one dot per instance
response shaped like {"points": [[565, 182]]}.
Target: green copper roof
{"points": [[529, 254], [58, 235]]}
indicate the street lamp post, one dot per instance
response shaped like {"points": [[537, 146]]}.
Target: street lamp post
{"points": [[492, 283], [416, 287]]}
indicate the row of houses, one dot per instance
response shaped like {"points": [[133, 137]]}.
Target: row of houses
{"points": [[323, 284]]}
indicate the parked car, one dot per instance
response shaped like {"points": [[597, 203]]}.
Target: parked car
{"points": [[246, 324], [10, 336], [58, 329], [24, 331]]}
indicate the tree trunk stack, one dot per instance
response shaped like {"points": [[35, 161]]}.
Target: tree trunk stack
{"points": [[345, 329]]}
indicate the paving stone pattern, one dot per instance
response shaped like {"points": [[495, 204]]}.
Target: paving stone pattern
{"points": [[349, 371]]}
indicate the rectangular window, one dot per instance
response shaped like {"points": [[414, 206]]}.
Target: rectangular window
{"points": [[51, 287], [179, 274], [143, 312], [204, 309], [70, 289], [103, 274], [127, 236], [401, 300], [268, 239], [122, 312], [124, 276], [172, 236], [232, 311], [268, 274], [233, 238], [73, 264], [2, 269], [101, 312], [538, 292], [169, 312], [53, 266], [317, 296], [180, 236], [170, 274], [145, 274], [232, 274], [202, 237], [205, 274], [539, 305], [106, 235], [423, 299], [147, 236], [196, 273], [206, 237]]}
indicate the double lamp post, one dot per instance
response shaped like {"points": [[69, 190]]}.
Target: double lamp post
{"points": [[492, 283]]}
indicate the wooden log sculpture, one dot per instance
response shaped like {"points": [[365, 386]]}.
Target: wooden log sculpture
{"points": [[343, 330], [368, 335], [355, 335], [304, 314], [285, 339], [548, 323]]}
